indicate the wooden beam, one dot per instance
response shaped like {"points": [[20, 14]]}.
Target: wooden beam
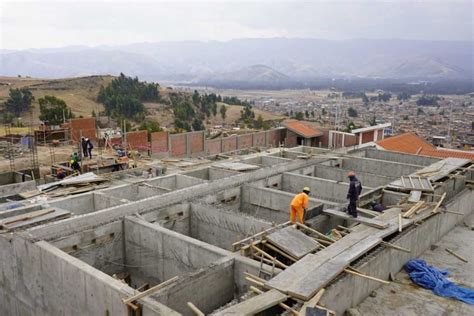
{"points": [[389, 245], [284, 266], [439, 203], [456, 255], [149, 291], [284, 254], [312, 302], [315, 232], [237, 243], [366, 221], [400, 223], [195, 309], [366, 276], [283, 305], [413, 209]]}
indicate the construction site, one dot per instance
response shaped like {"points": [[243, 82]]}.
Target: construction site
{"points": [[201, 227]]}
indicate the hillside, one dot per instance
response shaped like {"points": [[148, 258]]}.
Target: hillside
{"points": [[263, 61], [81, 93]]}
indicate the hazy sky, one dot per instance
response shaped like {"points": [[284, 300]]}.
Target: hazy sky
{"points": [[39, 24]]}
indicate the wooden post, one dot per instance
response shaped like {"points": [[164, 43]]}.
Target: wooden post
{"points": [[195, 309]]}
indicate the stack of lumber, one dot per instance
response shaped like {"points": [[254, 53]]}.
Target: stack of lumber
{"points": [[313, 272], [33, 218]]}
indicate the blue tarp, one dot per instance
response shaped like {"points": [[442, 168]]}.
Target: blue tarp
{"points": [[434, 279]]}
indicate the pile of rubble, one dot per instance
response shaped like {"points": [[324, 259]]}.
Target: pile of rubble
{"points": [[10, 150]]}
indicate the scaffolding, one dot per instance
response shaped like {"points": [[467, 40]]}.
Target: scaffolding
{"points": [[9, 152]]}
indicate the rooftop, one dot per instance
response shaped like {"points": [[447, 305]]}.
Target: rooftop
{"points": [[302, 129], [411, 143]]}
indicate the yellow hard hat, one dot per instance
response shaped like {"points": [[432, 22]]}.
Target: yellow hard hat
{"points": [[306, 189]]}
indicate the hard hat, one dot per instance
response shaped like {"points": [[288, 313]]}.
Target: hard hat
{"points": [[306, 189], [351, 174]]}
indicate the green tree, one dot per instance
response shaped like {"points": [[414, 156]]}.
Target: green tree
{"points": [[197, 125], [365, 99], [223, 111], [403, 96], [372, 121], [151, 126], [258, 124], [324, 112], [124, 96], [19, 101], [299, 116], [312, 113], [196, 97], [54, 110], [306, 114], [352, 112]]}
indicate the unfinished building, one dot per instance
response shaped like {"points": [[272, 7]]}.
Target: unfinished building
{"points": [[216, 239]]}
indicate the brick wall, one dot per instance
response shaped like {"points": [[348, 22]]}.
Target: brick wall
{"points": [[367, 137], [138, 140], [229, 144], [197, 142], [213, 146], [83, 126], [290, 139], [245, 141], [178, 144], [274, 137], [159, 142], [259, 139]]}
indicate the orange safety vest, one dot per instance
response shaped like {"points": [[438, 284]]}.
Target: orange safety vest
{"points": [[300, 201]]}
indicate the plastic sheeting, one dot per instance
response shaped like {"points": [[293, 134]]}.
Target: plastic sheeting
{"points": [[434, 279]]}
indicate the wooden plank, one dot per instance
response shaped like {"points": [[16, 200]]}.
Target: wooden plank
{"points": [[36, 220], [286, 307], [149, 291], [312, 302], [196, 310], [366, 221], [25, 216], [324, 273], [293, 241], [255, 304], [439, 203]]}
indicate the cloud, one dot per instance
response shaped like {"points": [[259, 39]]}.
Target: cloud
{"points": [[62, 23]]}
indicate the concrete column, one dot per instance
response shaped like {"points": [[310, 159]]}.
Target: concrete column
{"points": [[343, 140], [376, 134], [360, 138]]}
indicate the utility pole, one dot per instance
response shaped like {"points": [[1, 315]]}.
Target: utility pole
{"points": [[449, 121]]}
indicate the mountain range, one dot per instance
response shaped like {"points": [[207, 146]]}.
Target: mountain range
{"points": [[275, 61]]}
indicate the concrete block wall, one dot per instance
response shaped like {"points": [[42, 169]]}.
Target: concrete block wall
{"points": [[274, 137], [15, 188]]}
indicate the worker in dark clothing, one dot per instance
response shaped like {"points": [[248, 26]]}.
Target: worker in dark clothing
{"points": [[355, 188], [377, 207], [84, 147], [89, 147]]}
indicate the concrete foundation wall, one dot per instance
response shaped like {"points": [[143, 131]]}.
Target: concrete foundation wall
{"points": [[39, 279], [383, 168], [222, 228], [269, 204], [340, 175], [15, 188], [349, 291], [160, 254], [320, 188], [399, 157], [207, 289]]}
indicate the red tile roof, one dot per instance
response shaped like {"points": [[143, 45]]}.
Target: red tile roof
{"points": [[302, 129], [412, 144]]}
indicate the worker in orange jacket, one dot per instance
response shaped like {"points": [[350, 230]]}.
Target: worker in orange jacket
{"points": [[298, 206]]}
